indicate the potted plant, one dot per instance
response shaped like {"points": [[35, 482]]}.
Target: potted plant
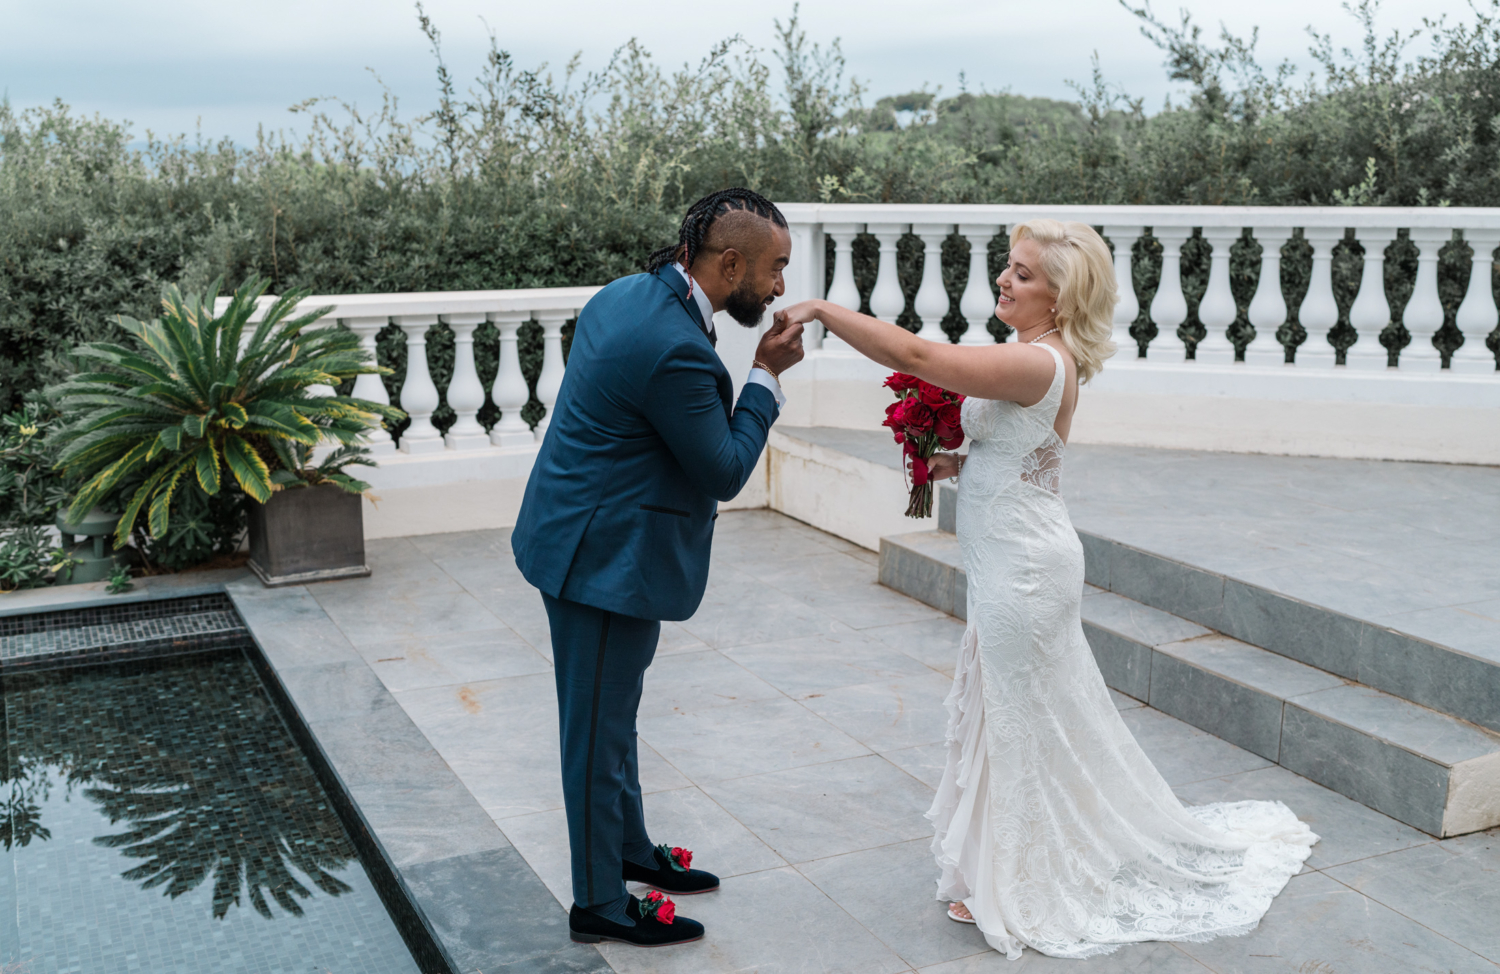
{"points": [[204, 403], [312, 528]]}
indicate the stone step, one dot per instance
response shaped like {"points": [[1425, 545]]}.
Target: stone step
{"points": [[1439, 677], [1422, 767]]}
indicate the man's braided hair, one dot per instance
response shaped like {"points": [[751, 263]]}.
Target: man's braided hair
{"points": [[702, 214]]}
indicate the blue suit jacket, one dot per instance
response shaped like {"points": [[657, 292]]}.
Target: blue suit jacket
{"points": [[620, 506]]}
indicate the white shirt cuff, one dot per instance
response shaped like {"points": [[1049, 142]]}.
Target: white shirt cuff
{"points": [[761, 377]]}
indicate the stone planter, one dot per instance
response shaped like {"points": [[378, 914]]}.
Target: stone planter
{"points": [[308, 534]]}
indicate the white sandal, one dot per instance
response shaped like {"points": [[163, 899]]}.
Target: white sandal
{"points": [[955, 917]]}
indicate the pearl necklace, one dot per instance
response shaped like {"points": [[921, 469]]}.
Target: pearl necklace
{"points": [[1042, 335]]}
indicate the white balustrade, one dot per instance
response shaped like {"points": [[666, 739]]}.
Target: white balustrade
{"points": [[931, 302], [1476, 316], [322, 390], [419, 396], [1423, 315], [1169, 307], [549, 382], [1371, 310], [1267, 311], [887, 300], [1319, 312], [368, 386], [510, 391], [1472, 373], [843, 292], [1128, 307], [465, 392], [977, 303], [1217, 310]]}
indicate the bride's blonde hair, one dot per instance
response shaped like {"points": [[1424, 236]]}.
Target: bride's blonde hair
{"points": [[1081, 276]]}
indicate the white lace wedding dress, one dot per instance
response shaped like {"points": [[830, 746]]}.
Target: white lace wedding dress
{"points": [[1053, 827]]}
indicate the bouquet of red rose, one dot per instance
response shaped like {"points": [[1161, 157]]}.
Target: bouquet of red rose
{"points": [[924, 419]]}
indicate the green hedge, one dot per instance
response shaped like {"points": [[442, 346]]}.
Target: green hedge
{"points": [[527, 180]]}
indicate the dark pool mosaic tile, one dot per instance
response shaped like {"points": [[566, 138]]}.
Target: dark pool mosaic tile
{"points": [[162, 818], [126, 631], [124, 612]]}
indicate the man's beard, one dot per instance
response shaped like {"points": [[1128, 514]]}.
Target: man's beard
{"points": [[745, 306]]}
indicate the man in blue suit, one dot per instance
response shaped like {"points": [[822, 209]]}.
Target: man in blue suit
{"points": [[617, 522]]}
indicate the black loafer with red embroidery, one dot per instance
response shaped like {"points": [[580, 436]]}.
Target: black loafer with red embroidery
{"points": [[674, 873], [656, 925]]}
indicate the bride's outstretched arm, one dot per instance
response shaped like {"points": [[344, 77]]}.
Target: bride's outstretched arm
{"points": [[1018, 373]]}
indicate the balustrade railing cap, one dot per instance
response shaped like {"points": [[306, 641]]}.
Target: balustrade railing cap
{"points": [[1437, 217], [406, 305]]}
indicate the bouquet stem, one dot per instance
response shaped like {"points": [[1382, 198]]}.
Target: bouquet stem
{"points": [[921, 501]]}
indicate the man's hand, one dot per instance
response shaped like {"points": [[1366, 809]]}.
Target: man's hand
{"points": [[780, 347]]}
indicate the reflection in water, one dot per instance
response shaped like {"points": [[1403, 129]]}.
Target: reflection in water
{"points": [[193, 759]]}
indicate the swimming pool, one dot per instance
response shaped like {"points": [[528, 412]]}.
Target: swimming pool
{"points": [[158, 816]]}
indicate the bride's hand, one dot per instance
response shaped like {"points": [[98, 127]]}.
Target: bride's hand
{"points": [[944, 465], [800, 313]]}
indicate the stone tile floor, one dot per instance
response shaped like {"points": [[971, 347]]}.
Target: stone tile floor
{"points": [[1412, 546], [791, 735]]}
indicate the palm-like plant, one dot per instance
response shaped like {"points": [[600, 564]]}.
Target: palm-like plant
{"points": [[200, 394]]}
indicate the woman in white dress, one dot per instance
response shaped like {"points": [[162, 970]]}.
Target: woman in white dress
{"points": [[1053, 828]]}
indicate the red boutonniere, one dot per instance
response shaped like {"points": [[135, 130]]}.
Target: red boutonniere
{"points": [[658, 907], [680, 858]]}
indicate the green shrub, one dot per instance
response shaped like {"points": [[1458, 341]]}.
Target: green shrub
{"points": [[536, 180]]}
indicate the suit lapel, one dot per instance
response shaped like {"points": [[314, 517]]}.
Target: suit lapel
{"points": [[679, 287]]}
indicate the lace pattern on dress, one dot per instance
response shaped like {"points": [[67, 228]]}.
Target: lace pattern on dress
{"points": [[1042, 467]]}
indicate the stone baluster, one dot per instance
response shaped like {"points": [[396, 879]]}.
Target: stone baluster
{"points": [[1424, 312], [510, 391], [370, 387], [419, 396], [1371, 310], [549, 383], [1169, 308], [1319, 312], [887, 300], [465, 392], [977, 303], [1128, 307], [1217, 310], [931, 303], [1476, 315], [1267, 311], [322, 389], [843, 292]]}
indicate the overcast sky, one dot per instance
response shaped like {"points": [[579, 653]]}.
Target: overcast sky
{"points": [[168, 64]]}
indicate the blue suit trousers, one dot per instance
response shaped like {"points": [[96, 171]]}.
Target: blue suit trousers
{"points": [[600, 661]]}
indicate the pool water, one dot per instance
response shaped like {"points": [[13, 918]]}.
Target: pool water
{"points": [[157, 816]]}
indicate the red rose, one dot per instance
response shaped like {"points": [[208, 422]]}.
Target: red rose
{"points": [[658, 906], [683, 857], [901, 382], [932, 395], [953, 442], [919, 471], [919, 418], [950, 415]]}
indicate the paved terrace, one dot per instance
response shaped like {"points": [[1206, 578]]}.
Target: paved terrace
{"points": [[1411, 546], [791, 734]]}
